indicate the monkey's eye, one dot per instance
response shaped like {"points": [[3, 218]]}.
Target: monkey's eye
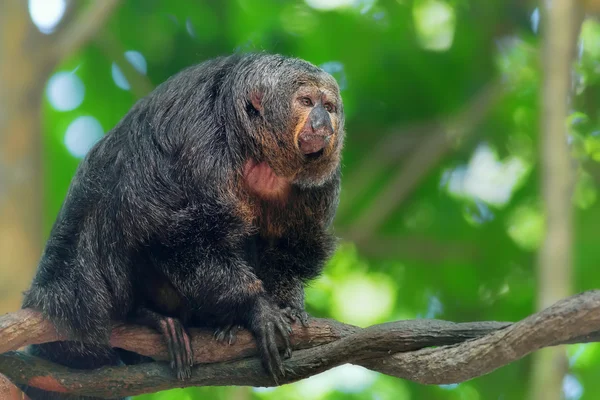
{"points": [[329, 107], [306, 101]]}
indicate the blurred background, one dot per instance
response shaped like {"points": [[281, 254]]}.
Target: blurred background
{"points": [[442, 209]]}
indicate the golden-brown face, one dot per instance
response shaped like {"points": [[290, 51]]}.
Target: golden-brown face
{"points": [[300, 136], [317, 120], [317, 138]]}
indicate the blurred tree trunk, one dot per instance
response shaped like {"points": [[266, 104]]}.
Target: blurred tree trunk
{"points": [[561, 24], [28, 57], [23, 73]]}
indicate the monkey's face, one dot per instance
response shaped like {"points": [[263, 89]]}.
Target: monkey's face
{"points": [[316, 136], [303, 134], [316, 109]]}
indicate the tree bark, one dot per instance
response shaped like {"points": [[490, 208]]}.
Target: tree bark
{"points": [[402, 349]]}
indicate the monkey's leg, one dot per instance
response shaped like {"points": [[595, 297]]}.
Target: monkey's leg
{"points": [[174, 334], [293, 261], [216, 280]]}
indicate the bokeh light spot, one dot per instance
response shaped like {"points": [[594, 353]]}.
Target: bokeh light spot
{"points": [[345, 378], [65, 91], [364, 299], [82, 134], [46, 14], [434, 24], [535, 20], [329, 4], [526, 227], [450, 386], [336, 69], [137, 60], [572, 388], [486, 178], [298, 19], [189, 27]]}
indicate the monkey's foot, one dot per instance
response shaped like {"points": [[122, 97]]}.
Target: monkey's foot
{"points": [[296, 314], [179, 345], [178, 341], [268, 321], [228, 333]]}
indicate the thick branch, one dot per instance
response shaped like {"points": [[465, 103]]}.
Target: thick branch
{"points": [[9, 391], [574, 317], [467, 350], [27, 327]]}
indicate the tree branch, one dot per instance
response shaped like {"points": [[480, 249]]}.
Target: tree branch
{"points": [[466, 350], [8, 391], [421, 161], [79, 30], [420, 248], [113, 50]]}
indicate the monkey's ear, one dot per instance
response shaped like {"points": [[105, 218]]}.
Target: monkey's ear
{"points": [[256, 98]]}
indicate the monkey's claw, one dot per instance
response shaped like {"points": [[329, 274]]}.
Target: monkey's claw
{"points": [[179, 346], [296, 314], [227, 334], [270, 321]]}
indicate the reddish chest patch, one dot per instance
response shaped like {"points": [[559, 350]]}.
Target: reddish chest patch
{"points": [[262, 181]]}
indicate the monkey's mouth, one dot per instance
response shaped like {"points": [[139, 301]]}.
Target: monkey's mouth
{"points": [[314, 156], [313, 145]]}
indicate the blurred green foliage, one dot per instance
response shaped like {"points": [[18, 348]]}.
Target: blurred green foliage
{"points": [[462, 246]]}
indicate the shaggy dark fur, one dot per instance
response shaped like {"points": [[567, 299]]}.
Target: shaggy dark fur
{"points": [[160, 226]]}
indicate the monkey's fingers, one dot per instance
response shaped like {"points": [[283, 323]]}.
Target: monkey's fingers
{"points": [[220, 333], [285, 330], [228, 332], [265, 356], [187, 347], [177, 340], [304, 319], [290, 314], [179, 346], [233, 334], [274, 357], [295, 314]]}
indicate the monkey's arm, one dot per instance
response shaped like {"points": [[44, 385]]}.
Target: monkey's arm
{"points": [[290, 264], [290, 297], [215, 280]]}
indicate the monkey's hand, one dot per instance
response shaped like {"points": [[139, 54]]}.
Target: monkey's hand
{"points": [[290, 296], [267, 321], [227, 333], [296, 314]]}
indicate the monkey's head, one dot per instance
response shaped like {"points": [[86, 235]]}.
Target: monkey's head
{"points": [[294, 114]]}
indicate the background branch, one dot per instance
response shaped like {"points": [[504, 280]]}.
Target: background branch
{"points": [[421, 161], [113, 50], [397, 349], [79, 30]]}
